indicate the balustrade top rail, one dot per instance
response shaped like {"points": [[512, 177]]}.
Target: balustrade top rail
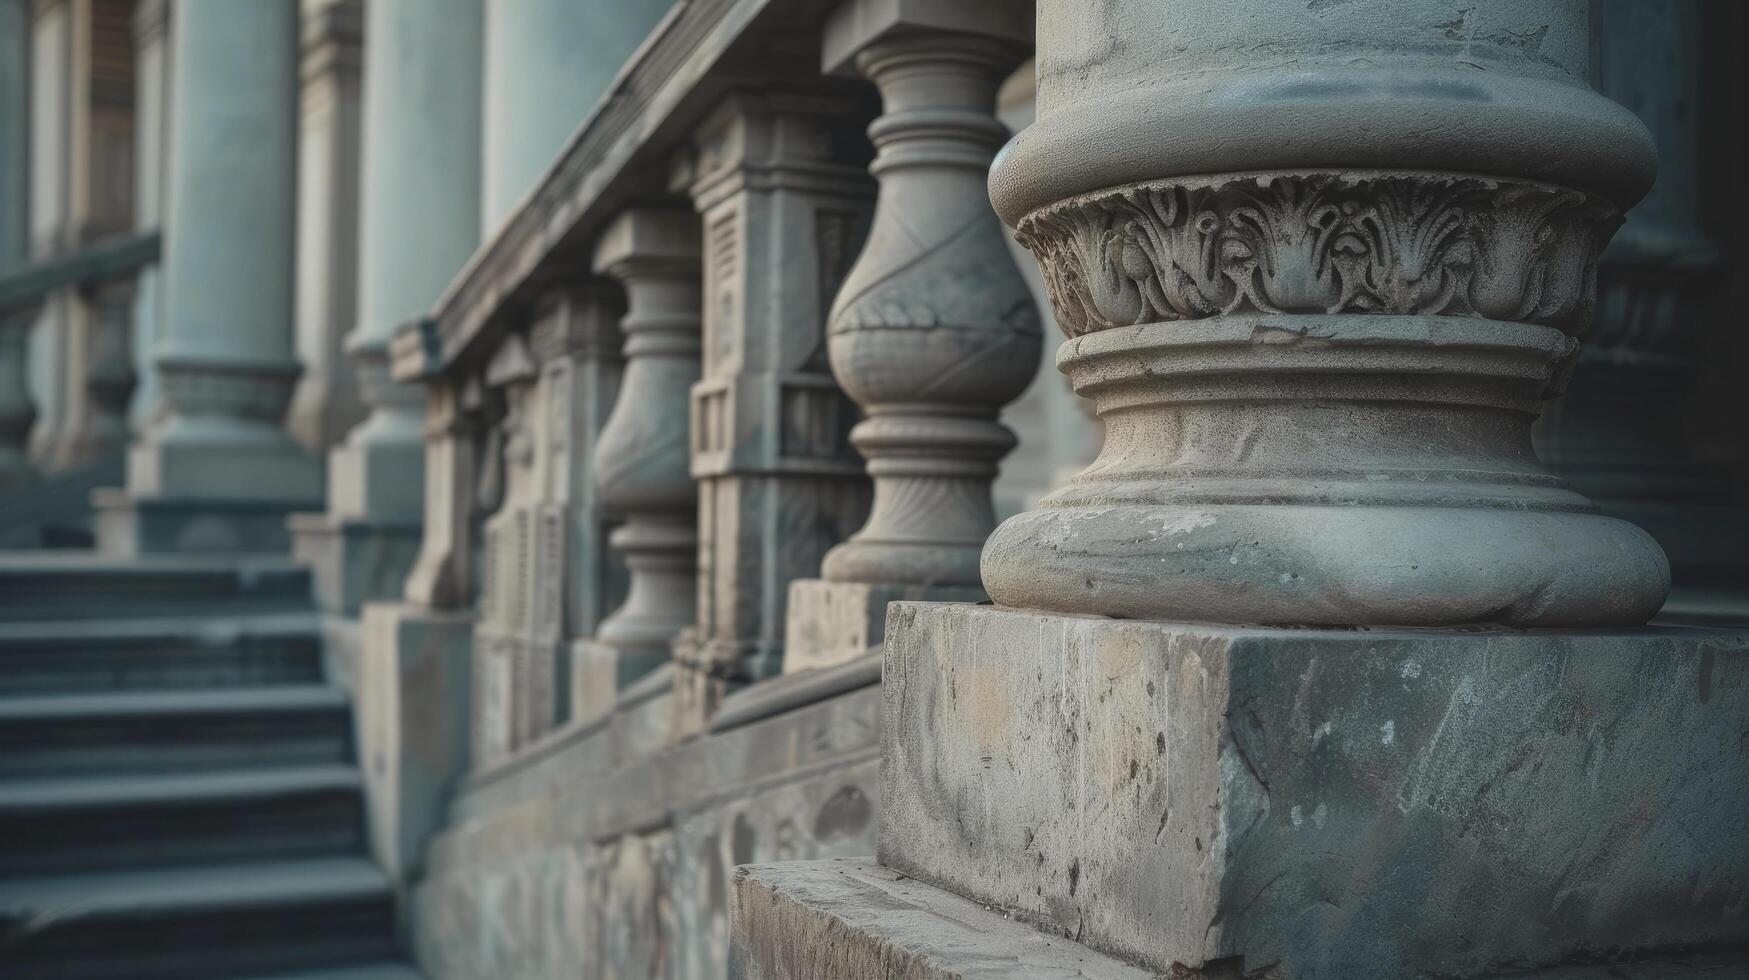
{"points": [[622, 153], [103, 261]]}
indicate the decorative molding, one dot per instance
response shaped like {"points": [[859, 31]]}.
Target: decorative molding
{"points": [[1317, 242]]}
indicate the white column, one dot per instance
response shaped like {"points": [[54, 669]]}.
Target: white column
{"points": [[50, 165], [16, 411], [226, 361], [547, 63]]}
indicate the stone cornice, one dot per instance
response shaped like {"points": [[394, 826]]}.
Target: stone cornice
{"points": [[620, 155]]}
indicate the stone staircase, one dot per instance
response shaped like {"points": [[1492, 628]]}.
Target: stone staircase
{"points": [[178, 792]]}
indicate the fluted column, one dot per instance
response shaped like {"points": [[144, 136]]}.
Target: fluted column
{"points": [[226, 361], [1617, 435], [1318, 357], [641, 454], [933, 331], [16, 411]]}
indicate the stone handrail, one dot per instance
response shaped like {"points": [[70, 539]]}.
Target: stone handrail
{"points": [[622, 152], [102, 261]]}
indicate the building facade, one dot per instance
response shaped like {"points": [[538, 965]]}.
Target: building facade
{"points": [[545, 488]]}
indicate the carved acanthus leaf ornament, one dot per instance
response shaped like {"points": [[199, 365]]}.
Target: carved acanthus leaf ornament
{"points": [[1305, 242]]}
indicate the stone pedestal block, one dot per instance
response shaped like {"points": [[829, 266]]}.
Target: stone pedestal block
{"points": [[354, 561], [1322, 803], [832, 623], [129, 526], [411, 725]]}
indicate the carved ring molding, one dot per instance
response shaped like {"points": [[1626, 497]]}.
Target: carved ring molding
{"points": [[1319, 242]]}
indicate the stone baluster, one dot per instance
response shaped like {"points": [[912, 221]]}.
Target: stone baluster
{"points": [[933, 330], [17, 413], [1617, 435], [641, 453], [326, 404], [1318, 358], [784, 210], [217, 471]]}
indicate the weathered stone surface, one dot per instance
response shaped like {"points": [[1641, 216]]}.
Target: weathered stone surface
{"points": [[1318, 357], [851, 919], [784, 201], [412, 725], [353, 562], [1331, 804], [832, 623], [610, 856]]}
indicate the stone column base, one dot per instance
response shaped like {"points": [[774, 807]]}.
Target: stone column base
{"points": [[128, 525], [852, 919], [832, 623], [412, 725], [354, 561], [1320, 803]]}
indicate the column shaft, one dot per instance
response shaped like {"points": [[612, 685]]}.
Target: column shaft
{"points": [[226, 362]]}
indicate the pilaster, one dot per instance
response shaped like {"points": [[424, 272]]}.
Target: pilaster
{"points": [[326, 402], [785, 208]]}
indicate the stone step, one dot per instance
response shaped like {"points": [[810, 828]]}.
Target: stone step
{"points": [[182, 652], [173, 731], [62, 824], [368, 971], [196, 922], [38, 586]]}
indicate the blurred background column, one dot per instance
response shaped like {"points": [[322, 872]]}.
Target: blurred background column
{"points": [[325, 403], [218, 472]]}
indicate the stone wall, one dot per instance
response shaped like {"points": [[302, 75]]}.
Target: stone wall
{"points": [[602, 854]]}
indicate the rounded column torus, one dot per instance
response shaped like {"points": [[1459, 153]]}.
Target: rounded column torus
{"points": [[641, 461], [227, 360], [1319, 320], [933, 330]]}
